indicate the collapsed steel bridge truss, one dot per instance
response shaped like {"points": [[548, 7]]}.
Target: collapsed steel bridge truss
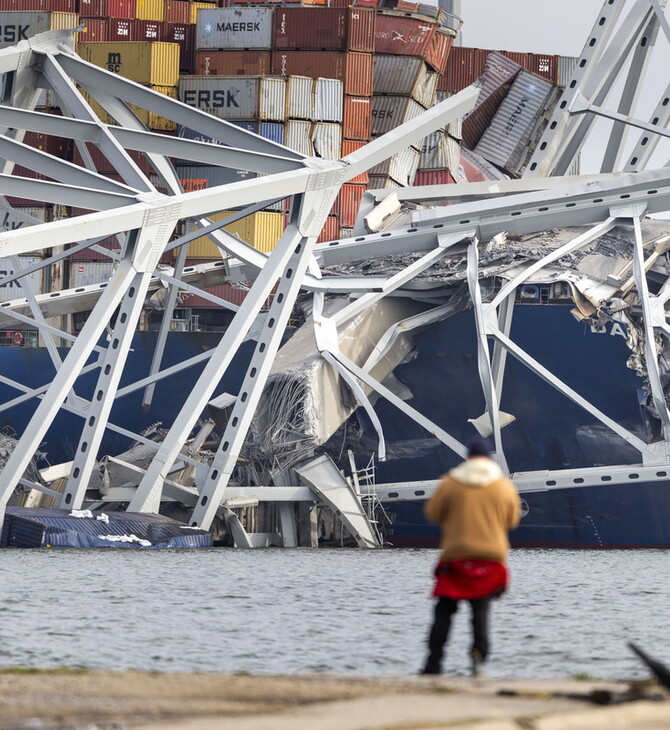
{"points": [[617, 51]]}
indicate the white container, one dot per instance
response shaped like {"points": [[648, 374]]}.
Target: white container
{"points": [[16, 289], [405, 76], [327, 140], [389, 112], [401, 167], [299, 101], [19, 25], [234, 28], [226, 97], [328, 100], [272, 99], [298, 137], [434, 152], [86, 273]]}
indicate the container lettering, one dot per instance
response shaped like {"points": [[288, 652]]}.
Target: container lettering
{"points": [[114, 62], [13, 33], [217, 99]]}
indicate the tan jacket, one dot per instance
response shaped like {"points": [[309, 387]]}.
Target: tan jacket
{"points": [[476, 506]]}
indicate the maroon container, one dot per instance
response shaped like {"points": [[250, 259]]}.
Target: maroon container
{"points": [[223, 291], [121, 8], [357, 118], [437, 55], [232, 63], [433, 177], [120, 29], [353, 68], [95, 30], [104, 166], [464, 67], [46, 6], [330, 230], [331, 29], [543, 65], [184, 35], [148, 30], [177, 11], [92, 9], [56, 146], [350, 200], [478, 121], [349, 146], [401, 36]]}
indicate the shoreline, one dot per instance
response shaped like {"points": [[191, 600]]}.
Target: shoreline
{"points": [[135, 700]]}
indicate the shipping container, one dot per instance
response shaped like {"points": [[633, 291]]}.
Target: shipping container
{"points": [[261, 230], [434, 177], [325, 29], [352, 68], [478, 120], [146, 63], [382, 182], [120, 29], [504, 142], [177, 11], [565, 67], [151, 120], [330, 230], [349, 146], [87, 273], [149, 9], [498, 71], [94, 31], [327, 140], [357, 123], [51, 143], [232, 63], [389, 112], [298, 137], [234, 28], [18, 26], [223, 291], [328, 100], [401, 167], [348, 203], [196, 7], [16, 289], [439, 48], [434, 152], [39, 6], [272, 99], [463, 68], [184, 35], [405, 76], [147, 30], [107, 8], [299, 97], [201, 177], [402, 36], [103, 165], [227, 97]]}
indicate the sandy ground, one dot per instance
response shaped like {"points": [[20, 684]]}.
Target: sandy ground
{"points": [[154, 701]]}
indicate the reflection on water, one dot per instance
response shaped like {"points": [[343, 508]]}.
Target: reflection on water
{"points": [[336, 611]]}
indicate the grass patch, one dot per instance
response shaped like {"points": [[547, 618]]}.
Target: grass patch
{"points": [[38, 670]]}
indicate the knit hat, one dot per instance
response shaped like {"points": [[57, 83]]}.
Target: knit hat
{"points": [[478, 446]]}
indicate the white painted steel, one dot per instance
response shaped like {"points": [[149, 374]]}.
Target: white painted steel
{"points": [[15, 289]]}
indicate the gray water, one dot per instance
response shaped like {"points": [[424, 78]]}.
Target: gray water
{"points": [[567, 613]]}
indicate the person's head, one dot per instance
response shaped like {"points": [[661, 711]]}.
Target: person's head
{"points": [[478, 446]]}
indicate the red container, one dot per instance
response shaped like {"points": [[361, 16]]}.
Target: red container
{"points": [[357, 122], [434, 177], [92, 9], [329, 29], [349, 146], [56, 146], [353, 68], [120, 29], [464, 67], [367, 3], [543, 65], [121, 8], [102, 164], [147, 30], [437, 55], [184, 34], [95, 30], [232, 63], [223, 291], [349, 201], [401, 36], [45, 6], [177, 11], [330, 230]]}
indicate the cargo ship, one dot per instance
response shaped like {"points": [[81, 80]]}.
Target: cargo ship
{"points": [[323, 82]]}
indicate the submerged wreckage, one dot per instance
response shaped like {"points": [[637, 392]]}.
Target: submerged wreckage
{"points": [[529, 309]]}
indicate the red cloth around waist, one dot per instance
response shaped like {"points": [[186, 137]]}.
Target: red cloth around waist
{"points": [[469, 579]]}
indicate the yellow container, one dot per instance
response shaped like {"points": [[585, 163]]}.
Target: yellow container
{"points": [[146, 62], [149, 9], [197, 6], [261, 230], [150, 120]]}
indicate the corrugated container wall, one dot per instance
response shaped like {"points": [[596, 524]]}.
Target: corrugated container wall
{"points": [[227, 97], [86, 273], [261, 230], [328, 29], [177, 11], [349, 146], [348, 203], [297, 137], [328, 98], [382, 182], [94, 31], [149, 9], [14, 290], [357, 122], [439, 48], [401, 167], [354, 69], [402, 36], [201, 177], [565, 67], [239, 28], [18, 26], [330, 230], [434, 152], [299, 100], [434, 177], [196, 8], [405, 76], [146, 63], [232, 63], [503, 142], [327, 139], [389, 112], [272, 99]]}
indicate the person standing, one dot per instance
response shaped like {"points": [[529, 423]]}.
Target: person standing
{"points": [[476, 506]]}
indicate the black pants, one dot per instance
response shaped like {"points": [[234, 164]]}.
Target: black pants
{"points": [[445, 608]]}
